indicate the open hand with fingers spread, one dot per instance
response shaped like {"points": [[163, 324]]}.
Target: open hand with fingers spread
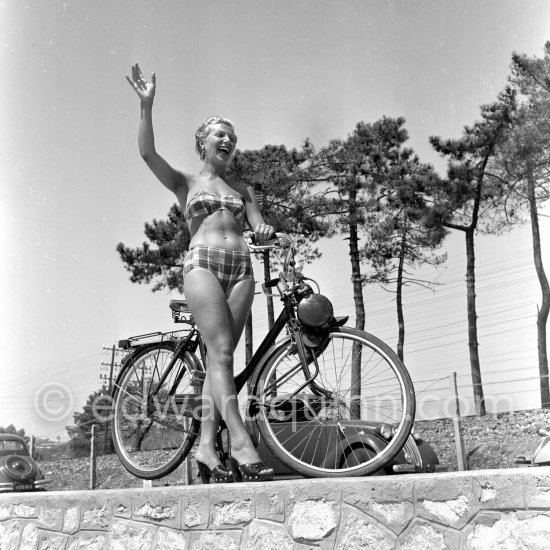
{"points": [[145, 90]]}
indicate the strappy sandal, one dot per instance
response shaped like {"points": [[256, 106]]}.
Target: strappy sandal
{"points": [[254, 471], [218, 474]]}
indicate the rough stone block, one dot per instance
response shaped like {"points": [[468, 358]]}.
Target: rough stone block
{"points": [[98, 517], [157, 509], [195, 515], [50, 541], [359, 531], [232, 505], [215, 540], [29, 537], [312, 520], [236, 513], [423, 535], [392, 504], [510, 531], [130, 535], [270, 502], [24, 511], [396, 516], [499, 492], [5, 512], [537, 489], [71, 520], [168, 539], [485, 518], [90, 541], [266, 535], [380, 489], [307, 489], [440, 486], [447, 499], [452, 512], [10, 534], [50, 518], [122, 506]]}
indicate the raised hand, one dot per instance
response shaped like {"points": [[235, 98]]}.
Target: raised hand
{"points": [[145, 90]]}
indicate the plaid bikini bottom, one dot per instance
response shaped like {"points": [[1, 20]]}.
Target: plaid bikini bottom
{"points": [[228, 266]]}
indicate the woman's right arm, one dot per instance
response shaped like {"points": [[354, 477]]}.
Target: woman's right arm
{"points": [[169, 177]]}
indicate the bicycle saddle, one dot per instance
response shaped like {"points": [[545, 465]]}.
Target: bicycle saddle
{"points": [[179, 306]]}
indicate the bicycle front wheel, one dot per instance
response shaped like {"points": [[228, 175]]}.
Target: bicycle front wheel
{"points": [[348, 413], [154, 424]]}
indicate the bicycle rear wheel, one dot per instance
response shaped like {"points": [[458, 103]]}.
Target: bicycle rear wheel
{"points": [[350, 419], [153, 424]]}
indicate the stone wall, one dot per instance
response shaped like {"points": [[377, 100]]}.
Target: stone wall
{"points": [[455, 510]]}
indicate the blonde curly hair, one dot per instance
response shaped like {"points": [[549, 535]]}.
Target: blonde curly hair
{"points": [[204, 129]]}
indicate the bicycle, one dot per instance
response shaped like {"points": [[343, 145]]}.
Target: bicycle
{"points": [[328, 400]]}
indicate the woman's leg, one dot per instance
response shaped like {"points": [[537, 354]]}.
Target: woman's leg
{"points": [[221, 320], [239, 300]]}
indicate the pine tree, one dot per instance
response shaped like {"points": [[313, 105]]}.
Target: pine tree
{"points": [[467, 189], [523, 164]]}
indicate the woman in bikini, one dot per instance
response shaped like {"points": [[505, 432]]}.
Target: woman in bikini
{"points": [[218, 278]]}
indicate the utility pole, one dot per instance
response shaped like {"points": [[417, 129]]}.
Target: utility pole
{"points": [[92, 459], [105, 380]]}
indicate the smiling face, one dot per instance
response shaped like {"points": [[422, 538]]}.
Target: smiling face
{"points": [[219, 143], [215, 125]]}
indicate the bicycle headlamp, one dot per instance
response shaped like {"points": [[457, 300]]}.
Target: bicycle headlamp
{"points": [[315, 311]]}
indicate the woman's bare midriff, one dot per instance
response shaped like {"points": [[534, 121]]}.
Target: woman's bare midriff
{"points": [[218, 230]]}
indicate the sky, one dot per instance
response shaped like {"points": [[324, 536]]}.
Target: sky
{"points": [[72, 184]]}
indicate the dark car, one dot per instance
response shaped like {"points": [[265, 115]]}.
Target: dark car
{"points": [[18, 470], [416, 455]]}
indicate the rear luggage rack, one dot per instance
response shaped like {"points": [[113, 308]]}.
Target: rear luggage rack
{"points": [[150, 338]]}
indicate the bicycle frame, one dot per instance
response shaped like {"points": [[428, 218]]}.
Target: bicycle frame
{"points": [[267, 343]]}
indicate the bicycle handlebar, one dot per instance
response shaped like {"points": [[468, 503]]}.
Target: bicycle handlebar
{"points": [[280, 240], [288, 275]]}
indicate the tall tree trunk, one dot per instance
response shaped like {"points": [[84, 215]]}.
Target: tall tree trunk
{"points": [[472, 323], [399, 300], [355, 263], [542, 316], [355, 404]]}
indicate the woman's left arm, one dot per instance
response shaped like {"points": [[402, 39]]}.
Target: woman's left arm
{"points": [[262, 231]]}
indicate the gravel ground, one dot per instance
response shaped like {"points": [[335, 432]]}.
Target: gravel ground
{"points": [[492, 441]]}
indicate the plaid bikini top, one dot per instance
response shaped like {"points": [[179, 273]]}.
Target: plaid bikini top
{"points": [[204, 203]]}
